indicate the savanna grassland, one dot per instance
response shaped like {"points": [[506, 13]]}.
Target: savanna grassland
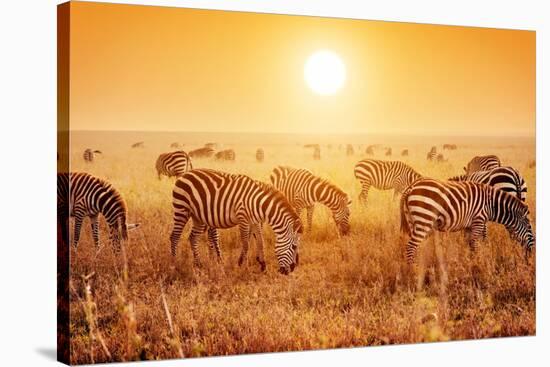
{"points": [[347, 291]]}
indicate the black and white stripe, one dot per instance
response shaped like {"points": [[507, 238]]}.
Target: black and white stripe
{"points": [[81, 195], [482, 163], [89, 154], [303, 190], [384, 175], [432, 154], [215, 199], [173, 164], [225, 155], [430, 205], [204, 152]]}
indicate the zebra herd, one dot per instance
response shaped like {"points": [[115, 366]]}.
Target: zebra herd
{"points": [[214, 200]]}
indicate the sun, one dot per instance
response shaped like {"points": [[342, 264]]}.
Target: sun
{"points": [[325, 72]]}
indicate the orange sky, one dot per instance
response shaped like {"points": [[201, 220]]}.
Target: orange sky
{"points": [[161, 68]]}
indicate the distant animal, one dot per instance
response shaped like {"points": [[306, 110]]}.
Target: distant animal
{"points": [[440, 158], [89, 155], [317, 153], [502, 178], [449, 146], [384, 175], [349, 150], [314, 146], [303, 189], [139, 144], [260, 155], [173, 164], [217, 200], [201, 153], [405, 153], [225, 155], [81, 195], [175, 145], [370, 150], [388, 152], [432, 154], [482, 163], [429, 205], [532, 164], [211, 145]]}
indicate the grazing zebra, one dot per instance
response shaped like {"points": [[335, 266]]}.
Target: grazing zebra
{"points": [[303, 190], [204, 152], [429, 205], [211, 145], [81, 195], [349, 149], [317, 153], [405, 153], [215, 199], [432, 154], [482, 163], [384, 175], [175, 145], [89, 155], [139, 144], [440, 158], [501, 178], [260, 155], [370, 150], [173, 164], [388, 152], [225, 155], [449, 146]]}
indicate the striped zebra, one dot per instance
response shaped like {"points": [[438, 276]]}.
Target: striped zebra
{"points": [[173, 164], [175, 145], [349, 150], [317, 153], [430, 205], [204, 152], [405, 153], [211, 145], [260, 155], [482, 163], [370, 150], [502, 178], [388, 152], [303, 190], [449, 146], [215, 199], [384, 175], [139, 144], [432, 154], [440, 158], [225, 155], [81, 195], [89, 155]]}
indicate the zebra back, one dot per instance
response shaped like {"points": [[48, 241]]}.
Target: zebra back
{"points": [[502, 178], [173, 164], [482, 163], [386, 174]]}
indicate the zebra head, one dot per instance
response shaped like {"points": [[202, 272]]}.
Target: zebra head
{"points": [[118, 230], [286, 247], [520, 228], [341, 215]]}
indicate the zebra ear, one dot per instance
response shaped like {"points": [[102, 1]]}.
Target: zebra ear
{"points": [[464, 168], [349, 202]]}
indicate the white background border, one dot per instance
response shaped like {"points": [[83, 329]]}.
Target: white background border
{"points": [[27, 205]]}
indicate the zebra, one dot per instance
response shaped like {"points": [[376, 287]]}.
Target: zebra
{"points": [[349, 150], [482, 163], [388, 152], [225, 155], [405, 153], [317, 153], [303, 190], [502, 178], [440, 158], [429, 205], [384, 175], [432, 154], [139, 144], [370, 150], [215, 199], [175, 145], [260, 155], [449, 146], [211, 145], [89, 155], [173, 164], [204, 152], [81, 195]]}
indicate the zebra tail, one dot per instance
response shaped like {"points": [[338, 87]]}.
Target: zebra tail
{"points": [[404, 228], [124, 228]]}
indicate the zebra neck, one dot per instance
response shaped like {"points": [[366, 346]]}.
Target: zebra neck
{"points": [[498, 212]]}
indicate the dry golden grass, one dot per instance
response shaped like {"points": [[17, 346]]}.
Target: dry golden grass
{"points": [[346, 291]]}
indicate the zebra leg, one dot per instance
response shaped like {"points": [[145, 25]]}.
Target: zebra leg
{"points": [[257, 233], [309, 213], [95, 230], [418, 235], [244, 229], [79, 217], [180, 220], [363, 196], [214, 242], [197, 230], [478, 231]]}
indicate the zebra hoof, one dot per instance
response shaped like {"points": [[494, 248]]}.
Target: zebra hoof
{"points": [[241, 260], [283, 271], [262, 264]]}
